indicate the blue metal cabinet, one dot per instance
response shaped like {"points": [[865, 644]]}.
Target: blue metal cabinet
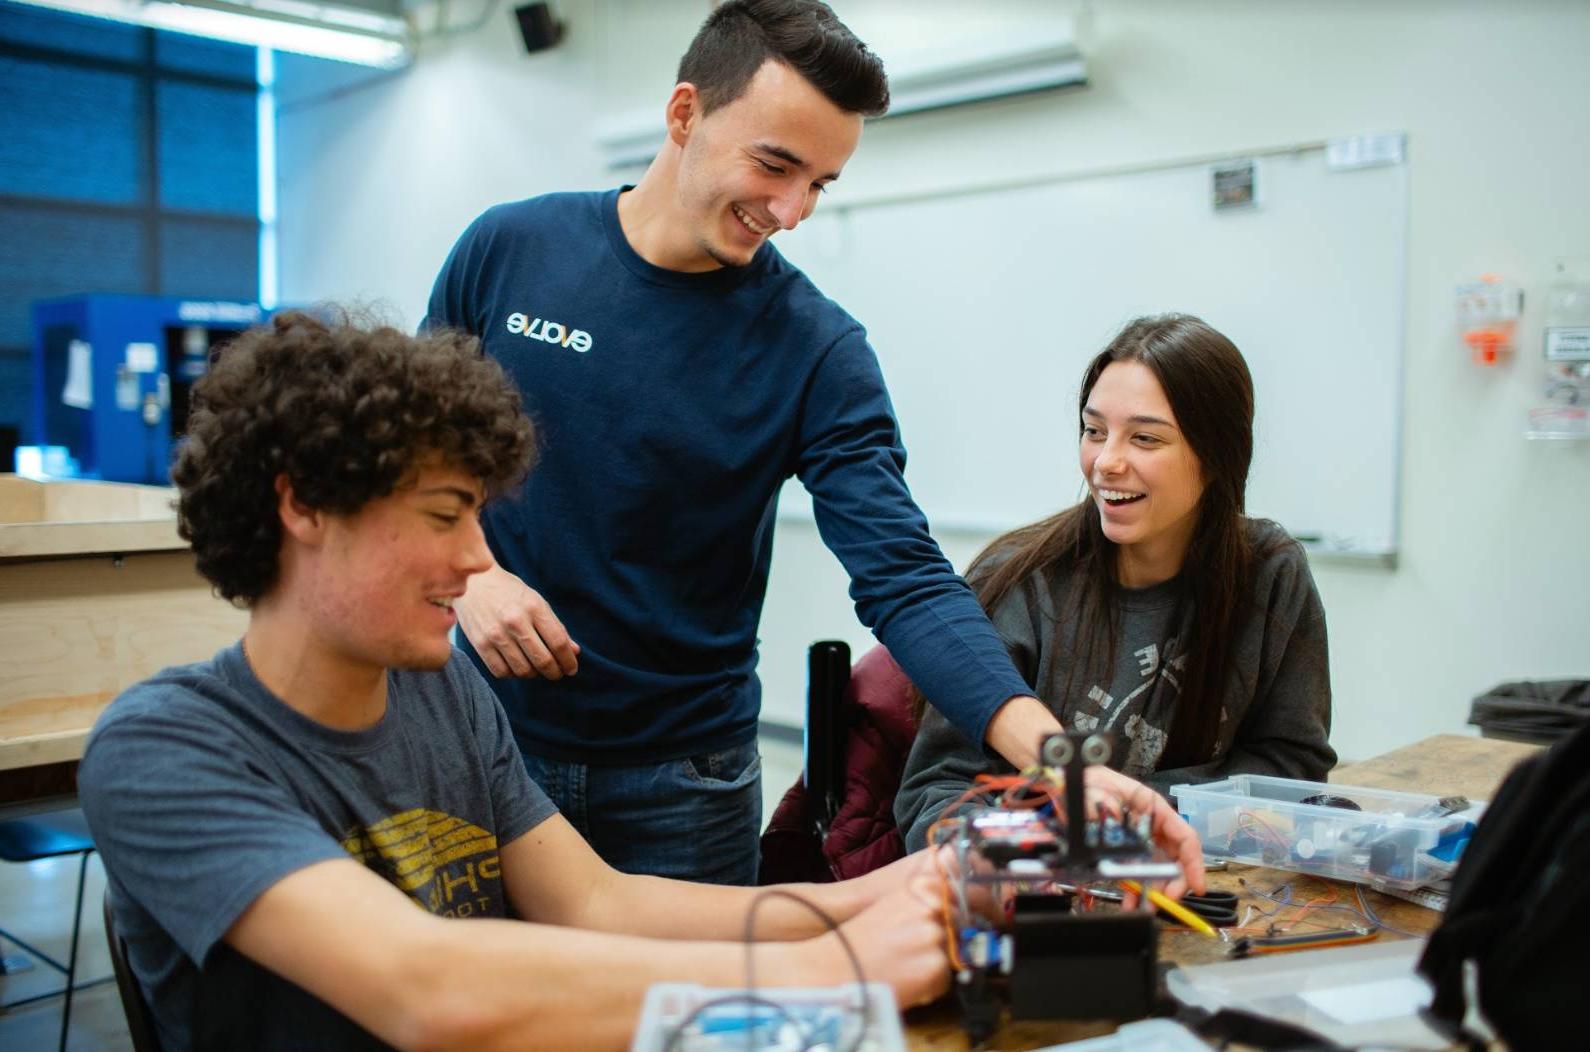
{"points": [[111, 376]]}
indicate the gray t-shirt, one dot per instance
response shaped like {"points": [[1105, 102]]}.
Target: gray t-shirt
{"points": [[203, 789], [1275, 713]]}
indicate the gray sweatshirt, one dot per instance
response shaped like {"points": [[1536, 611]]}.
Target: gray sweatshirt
{"points": [[1276, 715]]}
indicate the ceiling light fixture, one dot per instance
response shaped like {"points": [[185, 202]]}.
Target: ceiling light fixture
{"points": [[323, 30]]}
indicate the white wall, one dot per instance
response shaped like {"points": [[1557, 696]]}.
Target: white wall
{"points": [[377, 182], [1494, 580]]}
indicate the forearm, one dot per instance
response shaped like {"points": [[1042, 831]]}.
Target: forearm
{"points": [[418, 981], [919, 608], [511, 985], [658, 908], [1019, 727]]}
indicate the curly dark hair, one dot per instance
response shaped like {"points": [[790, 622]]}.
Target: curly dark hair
{"points": [[345, 411]]}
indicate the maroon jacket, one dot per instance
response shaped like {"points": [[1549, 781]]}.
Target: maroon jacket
{"points": [[862, 836]]}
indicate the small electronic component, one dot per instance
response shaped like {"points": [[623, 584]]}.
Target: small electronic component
{"points": [[986, 949], [1004, 836]]}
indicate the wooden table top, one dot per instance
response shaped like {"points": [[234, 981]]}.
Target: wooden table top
{"points": [[1444, 765]]}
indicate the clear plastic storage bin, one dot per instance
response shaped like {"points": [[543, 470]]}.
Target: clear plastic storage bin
{"points": [[1369, 836], [687, 1017]]}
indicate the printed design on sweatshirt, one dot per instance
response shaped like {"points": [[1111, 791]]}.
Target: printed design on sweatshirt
{"points": [[1145, 741], [449, 866], [553, 332]]}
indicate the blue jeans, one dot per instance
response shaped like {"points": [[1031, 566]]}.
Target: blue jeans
{"points": [[699, 818]]}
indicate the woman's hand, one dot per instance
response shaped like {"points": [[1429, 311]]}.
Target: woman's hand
{"points": [[1114, 792]]}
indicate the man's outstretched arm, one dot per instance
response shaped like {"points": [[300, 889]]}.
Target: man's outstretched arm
{"points": [[583, 891], [419, 981]]}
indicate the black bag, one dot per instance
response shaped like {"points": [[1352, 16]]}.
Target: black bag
{"points": [[1541, 712], [1519, 905]]}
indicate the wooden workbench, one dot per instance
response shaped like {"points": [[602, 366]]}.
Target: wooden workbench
{"points": [[97, 591], [1445, 765]]}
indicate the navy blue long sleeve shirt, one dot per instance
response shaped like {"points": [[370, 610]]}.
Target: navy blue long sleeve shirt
{"points": [[671, 407]]}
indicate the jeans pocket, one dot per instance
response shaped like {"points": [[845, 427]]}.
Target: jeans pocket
{"points": [[735, 766]]}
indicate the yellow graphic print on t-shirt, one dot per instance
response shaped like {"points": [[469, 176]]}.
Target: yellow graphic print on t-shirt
{"points": [[447, 865]]}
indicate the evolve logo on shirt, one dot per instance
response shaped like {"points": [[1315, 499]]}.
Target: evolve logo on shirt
{"points": [[549, 332]]}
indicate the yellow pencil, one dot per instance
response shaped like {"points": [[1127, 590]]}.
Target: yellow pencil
{"points": [[1174, 908]]}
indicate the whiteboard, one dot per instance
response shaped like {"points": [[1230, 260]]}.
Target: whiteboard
{"points": [[985, 307]]}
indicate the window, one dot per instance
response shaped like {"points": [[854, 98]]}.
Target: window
{"points": [[128, 164]]}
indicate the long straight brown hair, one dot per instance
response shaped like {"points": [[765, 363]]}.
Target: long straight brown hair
{"points": [[1210, 392]]}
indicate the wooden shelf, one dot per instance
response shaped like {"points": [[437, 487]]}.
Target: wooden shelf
{"points": [[97, 592], [45, 730], [43, 519]]}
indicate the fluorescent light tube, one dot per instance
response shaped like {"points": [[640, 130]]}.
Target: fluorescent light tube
{"points": [[282, 25]]}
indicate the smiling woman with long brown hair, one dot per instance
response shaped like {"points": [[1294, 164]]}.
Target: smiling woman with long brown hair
{"points": [[1154, 608]]}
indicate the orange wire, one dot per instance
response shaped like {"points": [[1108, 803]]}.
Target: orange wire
{"points": [[950, 941], [1345, 940], [1302, 911], [1036, 790], [979, 788], [1274, 836]]}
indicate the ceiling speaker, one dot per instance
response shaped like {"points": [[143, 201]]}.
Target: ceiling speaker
{"points": [[539, 29]]}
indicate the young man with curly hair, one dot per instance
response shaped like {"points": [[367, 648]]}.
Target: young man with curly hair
{"points": [[270, 819], [682, 370]]}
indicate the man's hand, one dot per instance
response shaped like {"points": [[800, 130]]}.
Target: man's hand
{"points": [[513, 629], [899, 939], [869, 888], [1112, 790]]}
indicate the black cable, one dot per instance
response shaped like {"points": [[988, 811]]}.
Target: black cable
{"points": [[844, 944], [749, 997]]}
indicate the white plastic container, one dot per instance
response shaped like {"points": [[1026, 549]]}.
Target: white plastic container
{"points": [[793, 1018], [1294, 825], [1148, 1035]]}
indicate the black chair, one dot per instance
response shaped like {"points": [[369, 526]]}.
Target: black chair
{"points": [[859, 729], [140, 1023], [50, 834]]}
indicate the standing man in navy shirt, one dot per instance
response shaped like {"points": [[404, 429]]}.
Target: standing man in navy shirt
{"points": [[680, 369]]}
